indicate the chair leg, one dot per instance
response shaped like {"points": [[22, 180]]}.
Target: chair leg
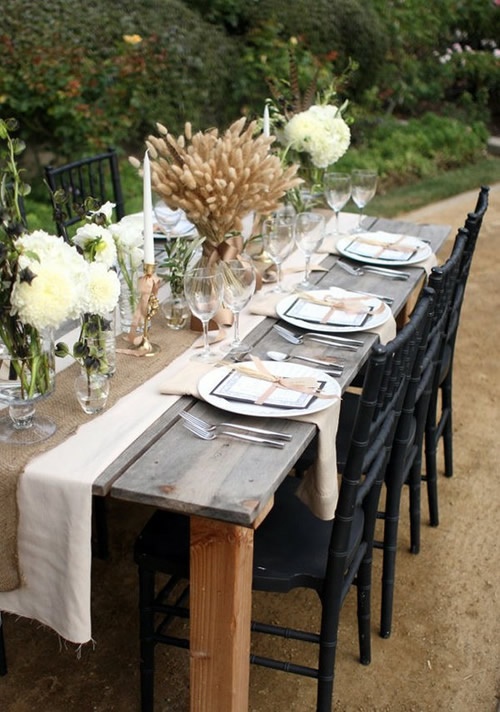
{"points": [[447, 431], [390, 545], [147, 644], [415, 487], [3, 654], [431, 445], [364, 587]]}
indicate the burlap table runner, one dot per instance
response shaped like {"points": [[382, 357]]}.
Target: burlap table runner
{"points": [[63, 408]]}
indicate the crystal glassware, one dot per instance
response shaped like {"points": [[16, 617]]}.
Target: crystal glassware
{"points": [[309, 234], [167, 218], [239, 279], [337, 190], [203, 291], [278, 233], [364, 186]]}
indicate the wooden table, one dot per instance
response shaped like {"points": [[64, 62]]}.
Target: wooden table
{"points": [[227, 489]]}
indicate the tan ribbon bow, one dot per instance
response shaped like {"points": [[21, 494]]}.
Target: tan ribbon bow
{"points": [[350, 305], [304, 384]]}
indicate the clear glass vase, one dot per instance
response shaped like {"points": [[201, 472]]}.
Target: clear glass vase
{"points": [[27, 375], [176, 311], [128, 300], [98, 339], [92, 391]]}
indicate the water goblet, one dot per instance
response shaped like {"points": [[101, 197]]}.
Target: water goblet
{"points": [[166, 218], [278, 242], [364, 186], [337, 189], [309, 234], [239, 279], [203, 291]]}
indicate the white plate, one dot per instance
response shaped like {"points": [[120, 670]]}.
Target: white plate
{"points": [[371, 322], [208, 382], [422, 250]]}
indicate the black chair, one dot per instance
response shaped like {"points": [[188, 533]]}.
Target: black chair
{"points": [[3, 655], [439, 422], [95, 177], [292, 547], [405, 463]]}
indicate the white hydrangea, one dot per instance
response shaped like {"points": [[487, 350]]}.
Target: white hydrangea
{"points": [[55, 293], [129, 238], [321, 132], [102, 290], [97, 243]]}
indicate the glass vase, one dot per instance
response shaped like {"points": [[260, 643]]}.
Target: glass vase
{"points": [[129, 299], [27, 375], [92, 391], [176, 311], [98, 342]]}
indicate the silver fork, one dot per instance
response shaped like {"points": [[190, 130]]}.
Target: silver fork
{"points": [[212, 427], [211, 435], [339, 342], [374, 269]]}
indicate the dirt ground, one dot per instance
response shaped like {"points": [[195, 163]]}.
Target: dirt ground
{"points": [[444, 653]]}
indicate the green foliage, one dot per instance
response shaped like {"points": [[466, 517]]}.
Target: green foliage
{"points": [[404, 152], [80, 86]]}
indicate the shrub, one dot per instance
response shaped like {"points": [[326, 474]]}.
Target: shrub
{"points": [[83, 85], [419, 148]]}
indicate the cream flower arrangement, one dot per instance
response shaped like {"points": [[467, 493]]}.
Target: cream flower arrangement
{"points": [[218, 179], [320, 132], [48, 288]]}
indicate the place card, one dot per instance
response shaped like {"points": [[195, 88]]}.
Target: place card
{"points": [[314, 313], [383, 246], [239, 387]]}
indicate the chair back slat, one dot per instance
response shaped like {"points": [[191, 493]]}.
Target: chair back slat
{"points": [[95, 177]]}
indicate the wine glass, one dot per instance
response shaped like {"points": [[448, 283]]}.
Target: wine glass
{"points": [[309, 234], [337, 189], [239, 279], [203, 290], [166, 218], [278, 242], [364, 186]]}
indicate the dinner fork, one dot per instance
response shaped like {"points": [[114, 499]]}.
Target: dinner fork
{"points": [[340, 342], [212, 427], [211, 435], [374, 269]]}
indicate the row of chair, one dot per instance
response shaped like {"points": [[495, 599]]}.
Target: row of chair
{"points": [[405, 402], [380, 442]]}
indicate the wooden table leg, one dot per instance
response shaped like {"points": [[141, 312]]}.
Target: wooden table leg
{"points": [[220, 604]]}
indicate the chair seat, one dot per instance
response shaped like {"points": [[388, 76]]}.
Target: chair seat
{"points": [[163, 544], [291, 544]]}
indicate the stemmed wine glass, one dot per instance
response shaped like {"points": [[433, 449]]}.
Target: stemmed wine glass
{"points": [[167, 219], [309, 234], [278, 242], [203, 290], [364, 186], [337, 190], [239, 278]]}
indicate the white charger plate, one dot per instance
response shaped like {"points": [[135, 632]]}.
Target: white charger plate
{"points": [[290, 370], [423, 251], [371, 322]]}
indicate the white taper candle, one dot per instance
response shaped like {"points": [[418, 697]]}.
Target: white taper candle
{"points": [[266, 126], [147, 206]]}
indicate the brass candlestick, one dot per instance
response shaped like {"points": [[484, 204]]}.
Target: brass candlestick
{"points": [[148, 284]]}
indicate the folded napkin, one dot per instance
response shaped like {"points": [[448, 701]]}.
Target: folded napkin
{"points": [[319, 489], [265, 304]]}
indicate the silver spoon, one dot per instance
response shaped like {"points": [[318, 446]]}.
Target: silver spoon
{"points": [[331, 365]]}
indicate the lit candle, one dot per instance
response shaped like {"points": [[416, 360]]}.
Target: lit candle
{"points": [[147, 206], [266, 128]]}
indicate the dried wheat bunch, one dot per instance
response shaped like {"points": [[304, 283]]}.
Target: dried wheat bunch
{"points": [[218, 179]]}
